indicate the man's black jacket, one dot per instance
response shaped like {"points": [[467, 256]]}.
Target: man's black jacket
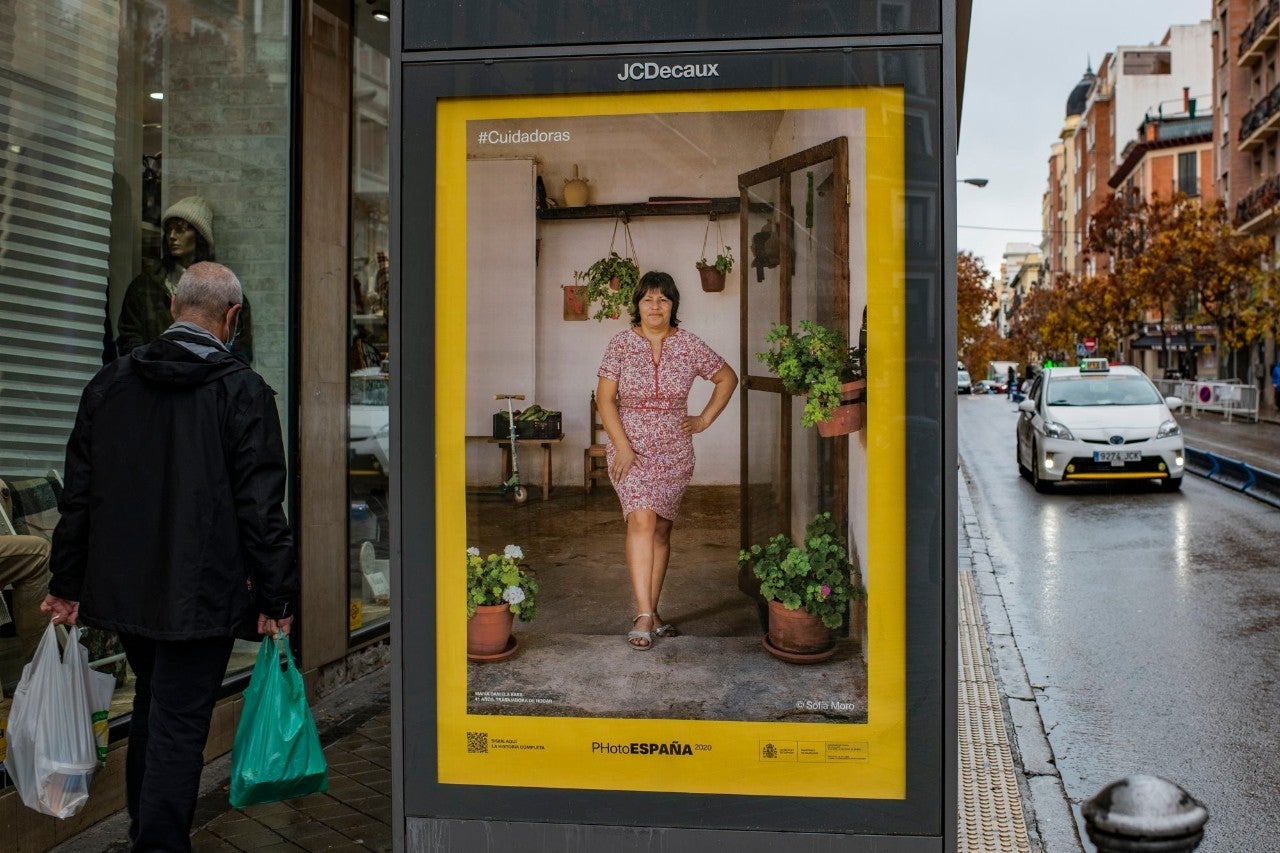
{"points": [[172, 525]]}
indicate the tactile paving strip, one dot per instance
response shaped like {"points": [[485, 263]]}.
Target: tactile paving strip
{"points": [[991, 818]]}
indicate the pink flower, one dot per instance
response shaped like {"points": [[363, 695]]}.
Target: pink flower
{"points": [[826, 591]]}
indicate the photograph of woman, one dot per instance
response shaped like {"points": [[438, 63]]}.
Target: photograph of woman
{"points": [[642, 394]]}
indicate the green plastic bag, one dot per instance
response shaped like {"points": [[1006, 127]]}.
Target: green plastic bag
{"points": [[277, 753]]}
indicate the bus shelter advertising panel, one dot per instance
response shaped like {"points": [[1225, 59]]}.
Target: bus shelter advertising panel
{"points": [[533, 216]]}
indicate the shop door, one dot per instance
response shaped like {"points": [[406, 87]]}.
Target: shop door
{"points": [[795, 242]]}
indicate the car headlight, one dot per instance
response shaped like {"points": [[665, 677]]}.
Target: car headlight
{"points": [[1168, 428], [1053, 429]]}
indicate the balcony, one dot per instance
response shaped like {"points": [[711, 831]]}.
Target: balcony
{"points": [[1261, 122], [1259, 206], [1260, 35]]}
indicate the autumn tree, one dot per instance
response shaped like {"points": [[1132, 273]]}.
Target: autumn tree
{"points": [[1183, 262], [1210, 270], [977, 341], [974, 299]]}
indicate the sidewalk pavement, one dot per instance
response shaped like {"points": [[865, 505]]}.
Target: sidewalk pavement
{"points": [[1010, 795]]}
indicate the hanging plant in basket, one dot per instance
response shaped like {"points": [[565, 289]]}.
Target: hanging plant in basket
{"points": [[612, 279], [713, 273]]}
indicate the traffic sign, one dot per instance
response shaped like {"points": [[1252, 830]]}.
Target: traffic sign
{"points": [[1090, 344]]}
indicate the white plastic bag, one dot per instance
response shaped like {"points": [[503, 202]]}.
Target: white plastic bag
{"points": [[52, 755]]}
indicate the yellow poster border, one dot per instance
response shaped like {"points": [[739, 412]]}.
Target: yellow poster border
{"points": [[865, 760]]}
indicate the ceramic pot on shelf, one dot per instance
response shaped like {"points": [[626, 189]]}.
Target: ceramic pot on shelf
{"points": [[575, 190]]}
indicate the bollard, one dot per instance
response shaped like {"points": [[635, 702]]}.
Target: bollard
{"points": [[1144, 814]]}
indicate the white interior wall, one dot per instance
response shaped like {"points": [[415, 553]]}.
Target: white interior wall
{"points": [[501, 334]]}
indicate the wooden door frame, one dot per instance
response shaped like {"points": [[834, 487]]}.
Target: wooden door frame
{"points": [[837, 152]]}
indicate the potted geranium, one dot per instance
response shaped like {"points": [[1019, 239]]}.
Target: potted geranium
{"points": [[818, 362], [713, 273], [499, 588], [808, 588], [610, 282]]}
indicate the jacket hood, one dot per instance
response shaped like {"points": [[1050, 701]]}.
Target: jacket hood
{"points": [[167, 363]]}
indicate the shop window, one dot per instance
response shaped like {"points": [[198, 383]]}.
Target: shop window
{"points": [[117, 114], [369, 360]]}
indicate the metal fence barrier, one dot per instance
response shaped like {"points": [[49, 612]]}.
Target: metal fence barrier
{"points": [[1228, 397]]}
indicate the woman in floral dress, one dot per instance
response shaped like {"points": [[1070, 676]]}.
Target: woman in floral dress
{"points": [[643, 396]]}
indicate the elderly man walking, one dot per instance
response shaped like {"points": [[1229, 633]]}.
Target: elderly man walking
{"points": [[173, 535]]}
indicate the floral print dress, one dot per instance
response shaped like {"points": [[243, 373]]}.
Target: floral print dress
{"points": [[652, 398]]}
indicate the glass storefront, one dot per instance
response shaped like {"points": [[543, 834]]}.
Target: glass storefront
{"points": [[122, 123], [369, 358]]}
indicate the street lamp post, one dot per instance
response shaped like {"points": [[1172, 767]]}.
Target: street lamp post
{"points": [[977, 182]]}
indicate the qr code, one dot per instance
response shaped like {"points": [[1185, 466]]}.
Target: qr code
{"points": [[477, 741]]}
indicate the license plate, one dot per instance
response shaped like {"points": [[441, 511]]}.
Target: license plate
{"points": [[1117, 457]]}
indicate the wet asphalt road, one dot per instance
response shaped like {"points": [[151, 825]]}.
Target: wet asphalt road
{"points": [[1149, 625]]}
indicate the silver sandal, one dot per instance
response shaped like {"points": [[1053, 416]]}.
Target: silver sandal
{"points": [[634, 635], [668, 629]]}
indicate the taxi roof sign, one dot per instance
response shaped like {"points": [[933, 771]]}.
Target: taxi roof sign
{"points": [[1094, 365]]}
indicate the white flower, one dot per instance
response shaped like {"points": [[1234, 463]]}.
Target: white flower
{"points": [[513, 551], [473, 551], [513, 595]]}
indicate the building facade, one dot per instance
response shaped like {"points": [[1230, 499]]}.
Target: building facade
{"points": [[1246, 146]]}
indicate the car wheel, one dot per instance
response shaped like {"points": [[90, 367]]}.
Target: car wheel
{"points": [[1171, 484], [1042, 485], [1017, 457]]}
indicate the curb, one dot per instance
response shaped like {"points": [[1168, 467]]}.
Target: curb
{"points": [[1049, 812]]}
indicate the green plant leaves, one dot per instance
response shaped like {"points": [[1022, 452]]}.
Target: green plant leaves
{"points": [[817, 576], [612, 302]]}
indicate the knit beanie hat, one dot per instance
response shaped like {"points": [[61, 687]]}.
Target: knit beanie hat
{"points": [[195, 210]]}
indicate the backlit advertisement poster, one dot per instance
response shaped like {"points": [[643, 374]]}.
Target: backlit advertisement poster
{"points": [[799, 196]]}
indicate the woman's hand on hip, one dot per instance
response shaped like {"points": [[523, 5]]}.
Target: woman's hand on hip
{"points": [[694, 424], [623, 459]]}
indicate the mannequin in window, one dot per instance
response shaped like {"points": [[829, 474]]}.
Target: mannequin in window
{"points": [[187, 239]]}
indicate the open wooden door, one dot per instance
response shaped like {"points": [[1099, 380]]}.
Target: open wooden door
{"points": [[795, 239]]}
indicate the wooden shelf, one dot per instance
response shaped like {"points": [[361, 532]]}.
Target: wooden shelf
{"points": [[633, 210]]}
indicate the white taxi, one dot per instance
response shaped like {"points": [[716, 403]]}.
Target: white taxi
{"points": [[1098, 422]]}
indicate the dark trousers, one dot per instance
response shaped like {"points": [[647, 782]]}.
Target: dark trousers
{"points": [[177, 684]]}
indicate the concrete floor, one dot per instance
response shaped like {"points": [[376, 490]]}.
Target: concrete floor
{"points": [[573, 659]]}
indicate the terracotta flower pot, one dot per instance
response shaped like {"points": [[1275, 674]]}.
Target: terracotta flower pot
{"points": [[490, 629], [712, 279], [850, 417], [797, 631]]}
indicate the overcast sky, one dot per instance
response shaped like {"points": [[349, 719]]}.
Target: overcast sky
{"points": [[1025, 57]]}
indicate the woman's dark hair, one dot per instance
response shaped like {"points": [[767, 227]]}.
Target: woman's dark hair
{"points": [[664, 284]]}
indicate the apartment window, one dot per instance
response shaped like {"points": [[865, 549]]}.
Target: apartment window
{"points": [[1189, 173]]}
